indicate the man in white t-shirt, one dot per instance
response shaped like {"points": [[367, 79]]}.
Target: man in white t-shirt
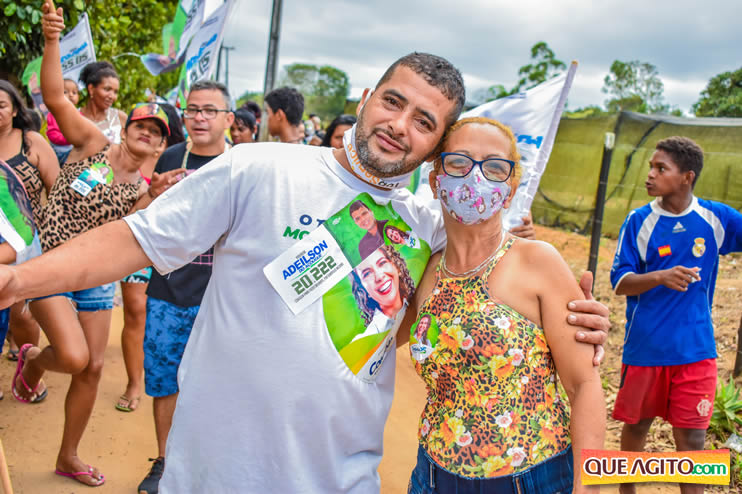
{"points": [[270, 401]]}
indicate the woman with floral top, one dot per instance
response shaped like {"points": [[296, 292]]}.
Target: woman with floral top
{"points": [[493, 308]]}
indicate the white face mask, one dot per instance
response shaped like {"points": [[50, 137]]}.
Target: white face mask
{"points": [[471, 199], [351, 151]]}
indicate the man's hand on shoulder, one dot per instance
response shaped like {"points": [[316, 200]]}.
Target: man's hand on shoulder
{"points": [[525, 230], [591, 314]]}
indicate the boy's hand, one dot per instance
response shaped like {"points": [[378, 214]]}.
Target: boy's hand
{"points": [[679, 277], [590, 314]]}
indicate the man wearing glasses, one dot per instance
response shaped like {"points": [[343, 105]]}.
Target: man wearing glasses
{"points": [[173, 300]]}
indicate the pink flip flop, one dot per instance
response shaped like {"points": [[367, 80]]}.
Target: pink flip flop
{"points": [[76, 475], [19, 373]]}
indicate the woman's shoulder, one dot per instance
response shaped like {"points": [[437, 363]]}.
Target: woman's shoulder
{"points": [[536, 251]]}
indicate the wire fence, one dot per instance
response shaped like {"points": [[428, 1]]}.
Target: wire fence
{"points": [[566, 196]]}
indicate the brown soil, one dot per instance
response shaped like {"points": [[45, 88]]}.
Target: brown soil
{"points": [[120, 443]]}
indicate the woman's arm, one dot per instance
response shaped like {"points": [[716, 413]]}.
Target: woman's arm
{"points": [[44, 159], [7, 253], [573, 360], [160, 183], [78, 130]]}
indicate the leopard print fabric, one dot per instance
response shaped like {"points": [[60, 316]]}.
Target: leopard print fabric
{"points": [[68, 213], [493, 407], [31, 178]]}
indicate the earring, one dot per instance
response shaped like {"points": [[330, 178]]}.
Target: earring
{"points": [[157, 153]]}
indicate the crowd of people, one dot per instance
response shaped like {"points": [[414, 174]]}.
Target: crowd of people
{"points": [[192, 214]]}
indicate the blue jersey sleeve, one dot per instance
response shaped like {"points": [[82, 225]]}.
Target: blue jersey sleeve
{"points": [[732, 221], [627, 258]]}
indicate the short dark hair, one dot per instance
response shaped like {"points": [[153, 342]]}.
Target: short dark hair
{"points": [[209, 85], [23, 119], [343, 119], [685, 153], [246, 117], [94, 72], [356, 206], [439, 73], [289, 100]]}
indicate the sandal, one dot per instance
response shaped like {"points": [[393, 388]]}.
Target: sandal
{"points": [[36, 398], [12, 355], [126, 404], [76, 476]]}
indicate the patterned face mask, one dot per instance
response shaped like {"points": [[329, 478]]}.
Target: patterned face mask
{"points": [[471, 199]]}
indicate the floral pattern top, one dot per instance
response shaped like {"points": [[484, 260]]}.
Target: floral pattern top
{"points": [[493, 407]]}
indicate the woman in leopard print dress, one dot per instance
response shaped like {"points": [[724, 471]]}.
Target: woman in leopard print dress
{"points": [[492, 337], [102, 186]]}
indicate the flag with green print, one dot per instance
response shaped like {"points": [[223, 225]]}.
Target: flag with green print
{"points": [[17, 227]]}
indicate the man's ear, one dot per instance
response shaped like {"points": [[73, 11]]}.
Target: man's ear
{"points": [[364, 98], [280, 115], [433, 181], [690, 176]]}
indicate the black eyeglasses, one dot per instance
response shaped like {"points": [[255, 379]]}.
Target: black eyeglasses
{"points": [[208, 113], [493, 169]]}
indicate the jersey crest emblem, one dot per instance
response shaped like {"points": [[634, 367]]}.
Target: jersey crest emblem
{"points": [[699, 247]]}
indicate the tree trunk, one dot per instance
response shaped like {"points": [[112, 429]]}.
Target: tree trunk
{"points": [[738, 361]]}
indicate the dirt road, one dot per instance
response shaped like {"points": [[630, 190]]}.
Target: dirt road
{"points": [[120, 443]]}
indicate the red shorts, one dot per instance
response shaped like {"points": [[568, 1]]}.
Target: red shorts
{"points": [[681, 394]]}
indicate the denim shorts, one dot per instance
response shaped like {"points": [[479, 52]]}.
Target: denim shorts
{"points": [[89, 300], [552, 476], [166, 333]]}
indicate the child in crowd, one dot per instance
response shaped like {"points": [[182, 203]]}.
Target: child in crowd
{"points": [[61, 147], [666, 263]]}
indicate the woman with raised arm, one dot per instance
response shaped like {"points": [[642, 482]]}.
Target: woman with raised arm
{"points": [[102, 186], [491, 337]]}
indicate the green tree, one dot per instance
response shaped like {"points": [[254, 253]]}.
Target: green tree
{"points": [[722, 96], [544, 66], [136, 27], [635, 86], [325, 88]]}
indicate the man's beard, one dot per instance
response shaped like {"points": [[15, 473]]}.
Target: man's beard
{"points": [[382, 169]]}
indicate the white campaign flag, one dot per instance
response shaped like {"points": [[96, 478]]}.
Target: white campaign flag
{"points": [[534, 116], [203, 50], [76, 49], [194, 19]]}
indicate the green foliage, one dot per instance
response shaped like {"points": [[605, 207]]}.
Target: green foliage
{"points": [[727, 410], [634, 86], [255, 96], [544, 66], [135, 27], [586, 112], [722, 96], [325, 88]]}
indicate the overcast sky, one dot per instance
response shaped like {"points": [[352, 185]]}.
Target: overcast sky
{"points": [[488, 40]]}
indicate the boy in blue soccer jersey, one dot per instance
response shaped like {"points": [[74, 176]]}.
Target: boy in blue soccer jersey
{"points": [[666, 263]]}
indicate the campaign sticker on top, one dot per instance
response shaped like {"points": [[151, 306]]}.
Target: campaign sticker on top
{"points": [[98, 173], [364, 262]]}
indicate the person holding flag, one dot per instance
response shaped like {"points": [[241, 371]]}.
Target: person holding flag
{"points": [[104, 185]]}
